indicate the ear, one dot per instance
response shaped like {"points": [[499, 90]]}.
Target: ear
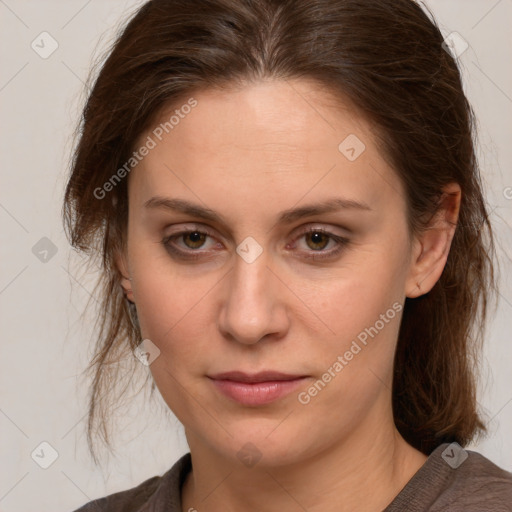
{"points": [[122, 266], [431, 247]]}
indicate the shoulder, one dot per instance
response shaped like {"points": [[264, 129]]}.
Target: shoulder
{"points": [[479, 484], [158, 493], [458, 480], [125, 501]]}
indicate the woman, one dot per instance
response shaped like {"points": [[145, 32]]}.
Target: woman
{"points": [[294, 239]]}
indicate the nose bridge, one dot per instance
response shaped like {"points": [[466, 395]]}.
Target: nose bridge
{"points": [[251, 309]]}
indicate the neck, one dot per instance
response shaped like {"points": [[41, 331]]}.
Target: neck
{"points": [[364, 473]]}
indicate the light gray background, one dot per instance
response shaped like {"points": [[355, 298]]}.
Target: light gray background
{"points": [[45, 345]]}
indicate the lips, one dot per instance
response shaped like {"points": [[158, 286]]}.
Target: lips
{"points": [[256, 389], [265, 376]]}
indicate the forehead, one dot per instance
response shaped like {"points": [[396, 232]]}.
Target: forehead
{"points": [[288, 116], [290, 136]]}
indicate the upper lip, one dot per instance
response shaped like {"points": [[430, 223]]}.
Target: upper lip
{"points": [[265, 376]]}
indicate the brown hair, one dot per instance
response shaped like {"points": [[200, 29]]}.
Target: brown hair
{"points": [[385, 57]]}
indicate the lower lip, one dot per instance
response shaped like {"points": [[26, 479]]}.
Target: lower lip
{"points": [[259, 393]]}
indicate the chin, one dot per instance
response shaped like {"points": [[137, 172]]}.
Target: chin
{"points": [[257, 442]]}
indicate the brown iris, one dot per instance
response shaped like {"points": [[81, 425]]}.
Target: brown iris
{"points": [[319, 240], [196, 238]]}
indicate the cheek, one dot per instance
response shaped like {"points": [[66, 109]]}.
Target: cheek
{"points": [[365, 323], [160, 297], [176, 320], [355, 299], [355, 364], [174, 311], [362, 309]]}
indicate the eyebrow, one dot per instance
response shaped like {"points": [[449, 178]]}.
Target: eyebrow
{"points": [[286, 216]]}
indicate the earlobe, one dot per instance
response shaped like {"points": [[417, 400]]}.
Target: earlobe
{"points": [[432, 246], [125, 279]]}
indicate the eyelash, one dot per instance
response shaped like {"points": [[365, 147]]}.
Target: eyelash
{"points": [[341, 242]]}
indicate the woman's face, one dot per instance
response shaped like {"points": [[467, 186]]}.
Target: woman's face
{"points": [[297, 260]]}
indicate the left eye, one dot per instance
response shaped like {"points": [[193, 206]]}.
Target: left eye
{"points": [[318, 239]]}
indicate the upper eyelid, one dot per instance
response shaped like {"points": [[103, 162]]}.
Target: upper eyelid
{"points": [[311, 226]]}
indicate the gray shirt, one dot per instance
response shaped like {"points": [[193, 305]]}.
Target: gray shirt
{"points": [[451, 479]]}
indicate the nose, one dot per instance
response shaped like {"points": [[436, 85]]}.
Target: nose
{"points": [[254, 302]]}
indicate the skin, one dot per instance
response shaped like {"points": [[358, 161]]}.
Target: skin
{"points": [[248, 154]]}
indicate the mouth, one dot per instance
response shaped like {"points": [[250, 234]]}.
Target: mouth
{"points": [[256, 389]]}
